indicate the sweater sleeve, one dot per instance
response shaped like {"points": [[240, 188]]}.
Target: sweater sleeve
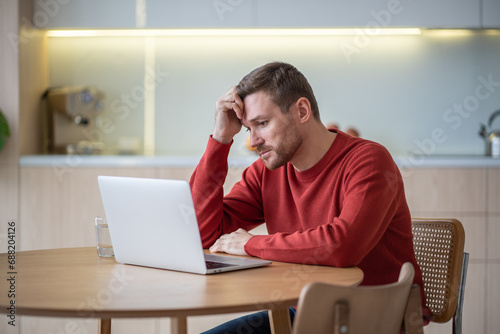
{"points": [[216, 214], [370, 199]]}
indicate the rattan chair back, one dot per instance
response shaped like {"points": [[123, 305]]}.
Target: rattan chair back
{"points": [[439, 250]]}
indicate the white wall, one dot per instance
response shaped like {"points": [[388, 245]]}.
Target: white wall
{"points": [[397, 90]]}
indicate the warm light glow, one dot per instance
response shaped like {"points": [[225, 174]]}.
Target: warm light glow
{"points": [[231, 32], [449, 32], [460, 32], [491, 32]]}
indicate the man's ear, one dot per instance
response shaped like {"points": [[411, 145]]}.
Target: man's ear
{"points": [[304, 109]]}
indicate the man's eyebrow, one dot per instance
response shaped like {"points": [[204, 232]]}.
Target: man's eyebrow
{"points": [[256, 118]]}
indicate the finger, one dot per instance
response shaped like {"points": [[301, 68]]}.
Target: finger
{"points": [[232, 91], [238, 231], [239, 106], [215, 247], [221, 245], [230, 95], [243, 232], [225, 106]]}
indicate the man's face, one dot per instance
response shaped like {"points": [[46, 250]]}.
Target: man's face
{"points": [[274, 134]]}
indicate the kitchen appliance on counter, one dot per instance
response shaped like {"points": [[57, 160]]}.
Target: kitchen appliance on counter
{"points": [[69, 120], [492, 138]]}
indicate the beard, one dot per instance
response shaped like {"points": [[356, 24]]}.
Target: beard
{"points": [[282, 153]]}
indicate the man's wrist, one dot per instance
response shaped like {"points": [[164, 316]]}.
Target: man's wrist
{"points": [[222, 139]]}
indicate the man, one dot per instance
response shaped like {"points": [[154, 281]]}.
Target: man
{"points": [[327, 198]]}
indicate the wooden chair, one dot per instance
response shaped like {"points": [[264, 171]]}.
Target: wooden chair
{"points": [[325, 308], [439, 249]]}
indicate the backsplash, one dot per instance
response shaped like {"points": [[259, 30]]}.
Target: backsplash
{"points": [[424, 94]]}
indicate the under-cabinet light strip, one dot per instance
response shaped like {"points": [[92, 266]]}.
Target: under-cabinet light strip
{"points": [[231, 32]]}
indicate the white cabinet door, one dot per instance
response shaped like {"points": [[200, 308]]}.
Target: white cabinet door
{"points": [[264, 13], [371, 13], [84, 13], [143, 13], [199, 14], [491, 13]]}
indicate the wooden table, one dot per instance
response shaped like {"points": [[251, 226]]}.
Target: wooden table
{"points": [[75, 282]]}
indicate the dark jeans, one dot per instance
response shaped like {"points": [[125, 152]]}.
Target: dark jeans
{"points": [[256, 323]]}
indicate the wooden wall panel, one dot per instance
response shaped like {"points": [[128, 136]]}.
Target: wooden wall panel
{"points": [[57, 210], [58, 205], [462, 194], [492, 298], [446, 190], [493, 237], [493, 192]]}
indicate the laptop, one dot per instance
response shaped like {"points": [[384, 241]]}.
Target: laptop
{"points": [[152, 223]]}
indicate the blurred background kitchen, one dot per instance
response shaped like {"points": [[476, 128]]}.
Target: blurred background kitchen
{"points": [[128, 87], [396, 90]]}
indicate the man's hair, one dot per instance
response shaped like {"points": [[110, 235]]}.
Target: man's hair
{"points": [[282, 82]]}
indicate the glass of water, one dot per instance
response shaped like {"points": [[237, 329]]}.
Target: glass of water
{"points": [[104, 246]]}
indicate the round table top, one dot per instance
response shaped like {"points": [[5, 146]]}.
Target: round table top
{"points": [[75, 282]]}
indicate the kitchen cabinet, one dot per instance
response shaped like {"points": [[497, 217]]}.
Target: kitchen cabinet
{"points": [[458, 190], [493, 195], [60, 14], [58, 204], [200, 14], [472, 195], [368, 13], [491, 13], [56, 14], [492, 298], [264, 13]]}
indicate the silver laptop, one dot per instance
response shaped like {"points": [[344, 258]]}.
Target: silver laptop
{"points": [[152, 223]]}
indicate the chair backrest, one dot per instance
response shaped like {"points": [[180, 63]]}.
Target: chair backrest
{"points": [[325, 308], [439, 250]]}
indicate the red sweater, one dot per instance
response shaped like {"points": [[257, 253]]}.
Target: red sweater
{"points": [[347, 210]]}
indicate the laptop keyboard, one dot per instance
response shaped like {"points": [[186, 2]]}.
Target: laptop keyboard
{"points": [[215, 265]]}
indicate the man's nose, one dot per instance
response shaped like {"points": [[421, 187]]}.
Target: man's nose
{"points": [[255, 139]]}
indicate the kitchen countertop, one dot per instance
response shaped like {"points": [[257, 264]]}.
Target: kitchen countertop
{"points": [[411, 161], [447, 161]]}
